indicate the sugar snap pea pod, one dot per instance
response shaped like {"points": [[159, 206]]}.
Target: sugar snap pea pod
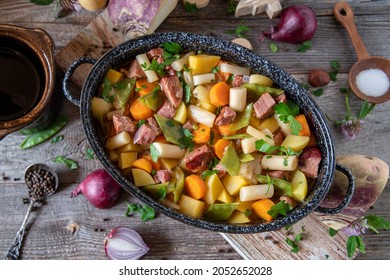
{"points": [[176, 185], [220, 212], [282, 187], [152, 100], [41, 136], [124, 89], [256, 90], [157, 191], [171, 129], [230, 160], [243, 118]]}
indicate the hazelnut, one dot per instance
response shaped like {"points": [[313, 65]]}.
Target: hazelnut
{"points": [[318, 78]]}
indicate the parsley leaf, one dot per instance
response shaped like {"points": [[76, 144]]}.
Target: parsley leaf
{"points": [[240, 29], [304, 46], [264, 147], [335, 65], [294, 125], [140, 123], [232, 5], [106, 93], [89, 154], [190, 8], [71, 164], [42, 2], [287, 111], [375, 223], [208, 173], [185, 141], [147, 212], [172, 47], [57, 139], [273, 47], [280, 208], [318, 92], [293, 244], [332, 232]]}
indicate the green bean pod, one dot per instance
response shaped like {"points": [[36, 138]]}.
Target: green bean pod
{"points": [[41, 136]]}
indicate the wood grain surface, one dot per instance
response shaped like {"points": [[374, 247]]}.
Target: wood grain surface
{"points": [[65, 228]]}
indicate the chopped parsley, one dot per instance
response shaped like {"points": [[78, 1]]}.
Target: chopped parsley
{"points": [[190, 8], [240, 30], [106, 93], [147, 212], [273, 47], [280, 208], [304, 46], [335, 65], [287, 111], [89, 154], [57, 139], [154, 153]]}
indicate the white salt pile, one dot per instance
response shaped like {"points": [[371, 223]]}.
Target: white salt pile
{"points": [[373, 82]]}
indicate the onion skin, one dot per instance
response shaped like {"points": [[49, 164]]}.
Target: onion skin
{"points": [[297, 24], [123, 243], [100, 189]]}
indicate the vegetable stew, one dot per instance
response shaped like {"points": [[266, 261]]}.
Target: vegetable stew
{"points": [[205, 136]]}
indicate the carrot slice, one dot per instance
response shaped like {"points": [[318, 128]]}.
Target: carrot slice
{"points": [[139, 111], [202, 134], [155, 165], [161, 138], [219, 94], [143, 163], [220, 146], [225, 131], [305, 131], [195, 186], [262, 207], [143, 87]]}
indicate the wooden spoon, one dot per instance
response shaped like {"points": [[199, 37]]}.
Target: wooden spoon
{"points": [[344, 14]]}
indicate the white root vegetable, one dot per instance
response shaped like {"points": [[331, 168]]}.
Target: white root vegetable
{"points": [[201, 115], [248, 145], [234, 69], [143, 60], [187, 77], [285, 127], [168, 150], [202, 93], [118, 140], [249, 170], [178, 64], [274, 162], [259, 135], [203, 79], [256, 192], [237, 98]]}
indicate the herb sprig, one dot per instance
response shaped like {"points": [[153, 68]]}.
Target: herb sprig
{"points": [[240, 30], [287, 111], [147, 212]]}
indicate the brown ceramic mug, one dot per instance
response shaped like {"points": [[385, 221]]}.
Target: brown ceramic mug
{"points": [[27, 78]]}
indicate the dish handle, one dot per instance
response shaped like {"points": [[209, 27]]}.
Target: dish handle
{"points": [[348, 196], [69, 73]]}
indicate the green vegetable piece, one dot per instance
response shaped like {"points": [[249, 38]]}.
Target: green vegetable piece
{"points": [[152, 100], [237, 136], [70, 163], [124, 89], [255, 90], [220, 212], [245, 157], [41, 136], [280, 208], [172, 130], [230, 160], [157, 191], [243, 118], [176, 185], [147, 212], [282, 187]]}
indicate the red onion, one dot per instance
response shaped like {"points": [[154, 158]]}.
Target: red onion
{"points": [[100, 189], [297, 24], [123, 243]]}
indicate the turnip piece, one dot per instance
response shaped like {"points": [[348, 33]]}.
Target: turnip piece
{"points": [[371, 175], [135, 18]]}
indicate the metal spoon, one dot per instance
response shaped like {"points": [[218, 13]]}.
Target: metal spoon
{"points": [[344, 14], [13, 251]]}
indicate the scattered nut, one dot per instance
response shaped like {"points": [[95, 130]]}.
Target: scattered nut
{"points": [[318, 78]]}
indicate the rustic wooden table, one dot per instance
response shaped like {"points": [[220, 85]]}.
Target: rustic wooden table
{"points": [[65, 228]]}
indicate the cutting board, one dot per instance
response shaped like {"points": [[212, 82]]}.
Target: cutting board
{"points": [[99, 37]]}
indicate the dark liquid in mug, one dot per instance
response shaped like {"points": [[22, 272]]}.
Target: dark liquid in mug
{"points": [[20, 80]]}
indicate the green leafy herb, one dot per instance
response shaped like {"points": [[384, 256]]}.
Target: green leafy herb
{"points": [[215, 69], [304, 46], [280, 208], [42, 2], [273, 47], [172, 47], [232, 5], [106, 93], [186, 139], [140, 123], [355, 242], [294, 242], [190, 8], [318, 92], [147, 212], [264, 147], [162, 192], [71, 164], [187, 93], [208, 173], [287, 111], [247, 212], [305, 86], [375, 223], [365, 109], [89, 154], [332, 232], [335, 65], [240, 30], [154, 66], [57, 139], [154, 153]]}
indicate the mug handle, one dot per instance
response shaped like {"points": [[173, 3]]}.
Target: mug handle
{"points": [[69, 73], [348, 196]]}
